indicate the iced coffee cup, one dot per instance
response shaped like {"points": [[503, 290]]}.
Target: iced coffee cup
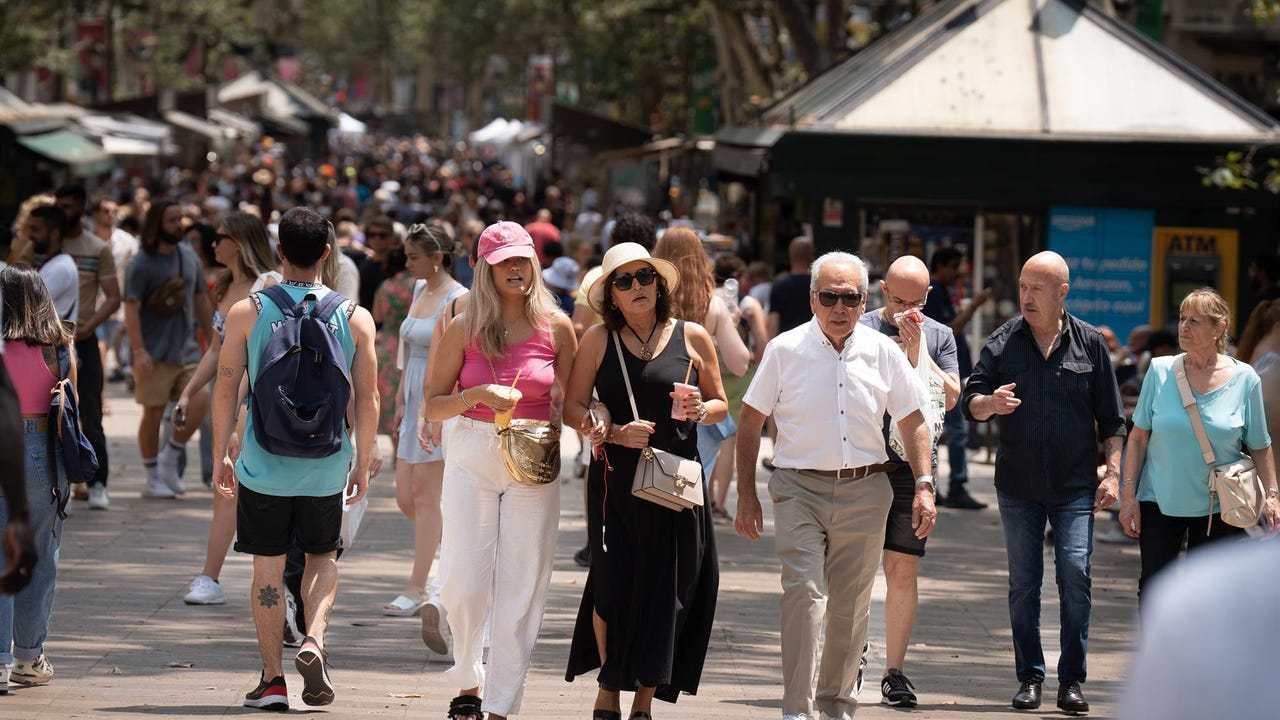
{"points": [[503, 419], [682, 391]]}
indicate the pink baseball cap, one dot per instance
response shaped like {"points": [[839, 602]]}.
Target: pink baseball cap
{"points": [[503, 240]]}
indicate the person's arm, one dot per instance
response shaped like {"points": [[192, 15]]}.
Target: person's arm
{"points": [[749, 521], [200, 377], [962, 319], [754, 313], [566, 343], [736, 354], [232, 363], [983, 398], [1109, 416], [1135, 455], [772, 323], [578, 401], [364, 385], [443, 403], [710, 395], [110, 288], [142, 364]]}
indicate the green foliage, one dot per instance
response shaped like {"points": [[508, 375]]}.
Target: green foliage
{"points": [[29, 35], [1266, 13], [1238, 170]]}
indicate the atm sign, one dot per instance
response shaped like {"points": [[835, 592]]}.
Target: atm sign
{"points": [[1191, 241]]}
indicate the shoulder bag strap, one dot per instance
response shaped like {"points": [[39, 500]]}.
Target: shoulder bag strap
{"points": [[626, 376], [1193, 410]]}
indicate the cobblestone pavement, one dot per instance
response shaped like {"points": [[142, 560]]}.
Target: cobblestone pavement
{"points": [[125, 646]]}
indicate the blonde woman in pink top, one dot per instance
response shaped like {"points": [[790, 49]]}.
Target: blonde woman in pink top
{"points": [[499, 535], [33, 335]]}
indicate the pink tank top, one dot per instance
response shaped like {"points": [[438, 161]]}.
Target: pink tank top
{"points": [[534, 359], [31, 376]]}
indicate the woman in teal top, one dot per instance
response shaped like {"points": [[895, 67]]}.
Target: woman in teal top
{"points": [[1164, 498]]}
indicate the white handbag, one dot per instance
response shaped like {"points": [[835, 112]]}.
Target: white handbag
{"points": [[661, 477]]}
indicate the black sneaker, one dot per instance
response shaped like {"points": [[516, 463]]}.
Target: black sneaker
{"points": [[269, 695], [316, 688], [897, 690], [962, 500]]}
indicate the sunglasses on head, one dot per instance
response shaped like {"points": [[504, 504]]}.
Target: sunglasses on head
{"points": [[829, 299], [646, 276]]}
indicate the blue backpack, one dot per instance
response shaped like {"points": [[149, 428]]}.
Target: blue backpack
{"points": [[300, 395]]}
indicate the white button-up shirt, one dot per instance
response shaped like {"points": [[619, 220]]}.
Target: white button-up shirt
{"points": [[829, 404]]}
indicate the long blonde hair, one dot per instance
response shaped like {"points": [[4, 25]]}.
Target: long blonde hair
{"points": [[250, 235], [692, 297], [484, 309]]}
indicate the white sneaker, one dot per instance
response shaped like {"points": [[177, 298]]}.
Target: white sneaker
{"points": [[32, 672], [293, 635], [158, 489], [167, 469], [4, 679], [204, 590], [98, 499]]}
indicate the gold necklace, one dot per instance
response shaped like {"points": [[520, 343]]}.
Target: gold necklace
{"points": [[645, 352]]}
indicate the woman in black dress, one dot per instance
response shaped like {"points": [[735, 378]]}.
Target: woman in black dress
{"points": [[649, 602]]}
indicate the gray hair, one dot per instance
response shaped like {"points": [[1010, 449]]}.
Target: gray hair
{"points": [[838, 258]]}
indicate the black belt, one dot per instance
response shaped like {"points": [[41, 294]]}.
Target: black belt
{"points": [[854, 473]]}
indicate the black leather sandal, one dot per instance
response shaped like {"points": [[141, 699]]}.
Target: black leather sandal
{"points": [[640, 715], [599, 714], [465, 707]]}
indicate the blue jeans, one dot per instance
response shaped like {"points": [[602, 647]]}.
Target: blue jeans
{"points": [[709, 439], [1024, 524], [24, 618], [957, 431]]}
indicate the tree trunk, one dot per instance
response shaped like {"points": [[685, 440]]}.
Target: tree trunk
{"points": [[802, 38]]}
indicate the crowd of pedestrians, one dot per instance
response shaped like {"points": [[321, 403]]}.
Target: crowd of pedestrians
{"points": [[417, 291]]}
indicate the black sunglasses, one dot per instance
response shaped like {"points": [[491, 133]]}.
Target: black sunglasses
{"points": [[851, 300], [222, 236], [646, 276]]}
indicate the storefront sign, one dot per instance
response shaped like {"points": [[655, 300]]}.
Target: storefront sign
{"points": [[1108, 251], [1188, 258]]}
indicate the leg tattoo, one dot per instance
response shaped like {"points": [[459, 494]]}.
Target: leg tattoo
{"points": [[268, 596]]}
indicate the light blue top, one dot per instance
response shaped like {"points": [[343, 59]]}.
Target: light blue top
{"points": [[1175, 475], [259, 470]]}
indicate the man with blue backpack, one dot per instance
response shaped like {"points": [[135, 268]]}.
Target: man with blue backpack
{"points": [[312, 374]]}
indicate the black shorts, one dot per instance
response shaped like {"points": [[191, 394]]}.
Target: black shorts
{"points": [[268, 524], [899, 536]]}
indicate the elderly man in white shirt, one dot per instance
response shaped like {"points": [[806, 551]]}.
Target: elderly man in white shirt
{"points": [[828, 385]]}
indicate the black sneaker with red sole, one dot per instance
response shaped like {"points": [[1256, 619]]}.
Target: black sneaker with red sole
{"points": [[269, 695]]}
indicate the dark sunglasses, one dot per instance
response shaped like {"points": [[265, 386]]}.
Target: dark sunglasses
{"points": [[377, 233], [222, 236], [646, 276], [851, 300]]}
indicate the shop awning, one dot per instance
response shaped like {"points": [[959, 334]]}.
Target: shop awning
{"points": [[117, 145], [83, 156], [214, 132]]}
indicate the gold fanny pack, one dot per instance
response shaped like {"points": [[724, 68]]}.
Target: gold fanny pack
{"points": [[531, 451]]}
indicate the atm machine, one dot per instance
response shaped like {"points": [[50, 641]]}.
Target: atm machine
{"points": [[1185, 272]]}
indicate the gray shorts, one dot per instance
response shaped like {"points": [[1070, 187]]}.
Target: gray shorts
{"points": [[899, 536]]}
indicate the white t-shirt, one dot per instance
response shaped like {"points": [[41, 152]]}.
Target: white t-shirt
{"points": [[829, 407], [63, 281]]}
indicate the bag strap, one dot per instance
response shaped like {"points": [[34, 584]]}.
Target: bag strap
{"points": [[626, 376], [325, 308], [281, 297], [1193, 409]]}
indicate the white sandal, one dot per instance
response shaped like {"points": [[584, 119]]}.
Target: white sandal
{"points": [[403, 606]]}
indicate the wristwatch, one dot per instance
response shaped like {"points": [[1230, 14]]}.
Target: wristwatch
{"points": [[927, 480], [702, 412]]}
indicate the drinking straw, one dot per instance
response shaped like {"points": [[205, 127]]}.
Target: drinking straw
{"points": [[688, 371], [513, 382]]}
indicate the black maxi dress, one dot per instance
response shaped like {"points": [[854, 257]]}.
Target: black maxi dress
{"points": [[655, 585]]}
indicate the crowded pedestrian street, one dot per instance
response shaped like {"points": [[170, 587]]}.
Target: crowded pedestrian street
{"points": [[128, 647]]}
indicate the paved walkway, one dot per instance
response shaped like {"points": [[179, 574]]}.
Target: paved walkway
{"points": [[125, 646]]}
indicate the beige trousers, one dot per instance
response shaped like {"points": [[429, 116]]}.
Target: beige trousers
{"points": [[829, 534]]}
